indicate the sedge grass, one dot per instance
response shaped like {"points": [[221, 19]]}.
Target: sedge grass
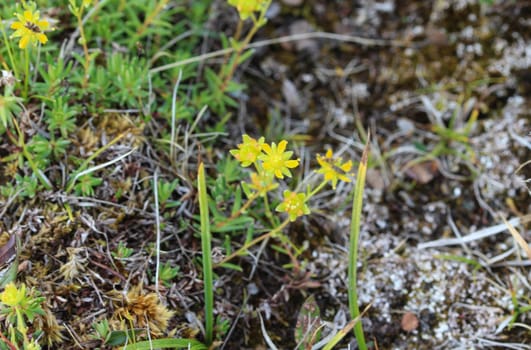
{"points": [[207, 254], [355, 225]]}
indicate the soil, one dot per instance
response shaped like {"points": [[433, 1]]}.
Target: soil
{"points": [[443, 89], [439, 60]]}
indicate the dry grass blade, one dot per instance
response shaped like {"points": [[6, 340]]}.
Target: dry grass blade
{"points": [[266, 336], [341, 334], [518, 238], [486, 232]]}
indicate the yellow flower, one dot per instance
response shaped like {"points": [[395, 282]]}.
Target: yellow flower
{"points": [[294, 204], [333, 169], [247, 7], [29, 28], [276, 160], [12, 296], [32, 346], [248, 151]]}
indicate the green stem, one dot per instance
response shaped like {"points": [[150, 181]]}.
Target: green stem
{"points": [[9, 52], [26, 73], [86, 64], [21, 325], [239, 212], [207, 254], [269, 215], [317, 189], [355, 225], [21, 143], [257, 24], [149, 19], [254, 242]]}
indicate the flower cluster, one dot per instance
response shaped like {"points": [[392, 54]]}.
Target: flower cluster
{"points": [[333, 169], [247, 7], [272, 161], [268, 159], [29, 27]]}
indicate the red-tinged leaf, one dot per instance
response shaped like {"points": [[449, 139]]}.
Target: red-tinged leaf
{"points": [[307, 330]]}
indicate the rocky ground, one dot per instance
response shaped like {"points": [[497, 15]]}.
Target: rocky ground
{"points": [[442, 87], [427, 65]]}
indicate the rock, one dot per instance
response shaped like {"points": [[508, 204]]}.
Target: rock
{"points": [[409, 322]]}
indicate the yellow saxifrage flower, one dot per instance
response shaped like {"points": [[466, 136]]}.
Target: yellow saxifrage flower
{"points": [[294, 204], [32, 346], [12, 296], [276, 160], [30, 28], [333, 169], [247, 7], [248, 151]]}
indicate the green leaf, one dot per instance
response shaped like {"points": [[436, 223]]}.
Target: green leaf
{"points": [[237, 224], [117, 338], [10, 274], [167, 343], [245, 56], [232, 267], [206, 248], [237, 200]]}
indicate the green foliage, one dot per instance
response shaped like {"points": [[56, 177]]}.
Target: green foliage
{"points": [[28, 185], [55, 74], [9, 107], [61, 117], [102, 329], [104, 58], [165, 190], [167, 273], [222, 326], [85, 185], [21, 306], [122, 252]]}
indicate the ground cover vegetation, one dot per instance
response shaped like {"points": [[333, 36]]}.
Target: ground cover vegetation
{"points": [[248, 174]]}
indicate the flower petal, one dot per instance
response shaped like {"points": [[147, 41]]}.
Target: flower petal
{"points": [[24, 42], [267, 149], [28, 16], [282, 146], [42, 38], [17, 25], [43, 24]]}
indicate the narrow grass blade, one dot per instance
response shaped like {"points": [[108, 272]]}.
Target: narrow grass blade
{"points": [[207, 254], [355, 225], [341, 334], [518, 238], [191, 344], [486, 232]]}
